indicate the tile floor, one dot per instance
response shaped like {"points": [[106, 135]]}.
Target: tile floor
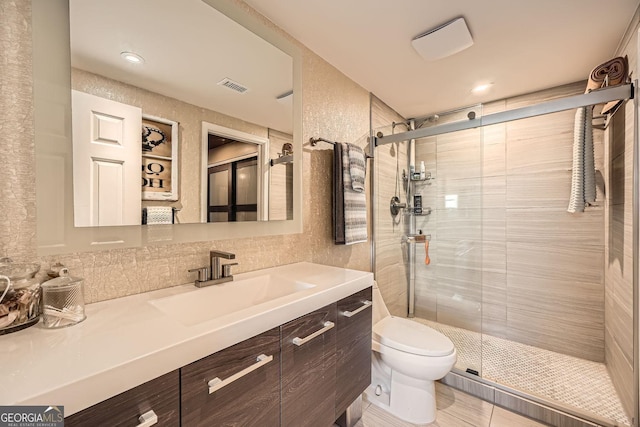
{"points": [[455, 409], [579, 383]]}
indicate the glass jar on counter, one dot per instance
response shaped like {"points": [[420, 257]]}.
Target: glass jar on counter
{"points": [[62, 301], [20, 294]]}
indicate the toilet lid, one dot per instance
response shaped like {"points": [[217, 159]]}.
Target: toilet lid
{"points": [[411, 337]]}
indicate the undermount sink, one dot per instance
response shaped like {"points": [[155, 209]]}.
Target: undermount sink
{"points": [[200, 305]]}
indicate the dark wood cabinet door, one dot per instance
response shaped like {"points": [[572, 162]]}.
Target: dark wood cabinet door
{"points": [[353, 348], [309, 369], [161, 395], [253, 399]]}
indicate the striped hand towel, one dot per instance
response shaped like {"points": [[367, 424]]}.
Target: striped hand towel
{"points": [[357, 167], [355, 204]]}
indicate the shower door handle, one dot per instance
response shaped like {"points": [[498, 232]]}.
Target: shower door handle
{"points": [[348, 313]]}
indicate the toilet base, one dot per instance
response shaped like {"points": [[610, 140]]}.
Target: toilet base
{"points": [[404, 397]]}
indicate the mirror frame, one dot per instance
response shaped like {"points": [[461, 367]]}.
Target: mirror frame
{"points": [[56, 233]]}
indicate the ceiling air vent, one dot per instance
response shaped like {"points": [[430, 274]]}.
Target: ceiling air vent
{"points": [[228, 83]]}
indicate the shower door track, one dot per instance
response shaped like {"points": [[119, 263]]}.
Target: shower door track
{"points": [[598, 96], [473, 385]]}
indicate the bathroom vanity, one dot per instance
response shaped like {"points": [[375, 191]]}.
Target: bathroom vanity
{"points": [[294, 348]]}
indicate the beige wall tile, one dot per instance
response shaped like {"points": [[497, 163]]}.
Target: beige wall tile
{"points": [[549, 190], [554, 261], [494, 192], [459, 224], [540, 144], [566, 316], [621, 372], [460, 163], [466, 193], [618, 154], [391, 255], [556, 225]]}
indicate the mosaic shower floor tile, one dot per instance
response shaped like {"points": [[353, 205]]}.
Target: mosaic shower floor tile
{"points": [[579, 383]]}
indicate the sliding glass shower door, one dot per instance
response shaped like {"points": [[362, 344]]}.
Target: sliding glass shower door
{"points": [[448, 270]]}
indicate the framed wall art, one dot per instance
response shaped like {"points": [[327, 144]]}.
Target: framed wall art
{"points": [[159, 159]]}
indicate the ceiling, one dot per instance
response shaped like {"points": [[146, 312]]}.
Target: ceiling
{"points": [[519, 46]]}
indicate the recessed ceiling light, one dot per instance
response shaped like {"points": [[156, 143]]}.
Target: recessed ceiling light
{"points": [[132, 57], [481, 88]]}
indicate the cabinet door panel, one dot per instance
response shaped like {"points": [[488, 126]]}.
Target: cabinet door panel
{"points": [[160, 395], [309, 370], [353, 349], [251, 400]]}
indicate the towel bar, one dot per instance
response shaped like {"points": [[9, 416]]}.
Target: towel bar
{"points": [[314, 141]]}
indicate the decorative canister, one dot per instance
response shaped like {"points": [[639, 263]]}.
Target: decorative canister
{"points": [[62, 301], [19, 295]]}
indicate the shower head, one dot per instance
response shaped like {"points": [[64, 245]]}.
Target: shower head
{"points": [[429, 119]]}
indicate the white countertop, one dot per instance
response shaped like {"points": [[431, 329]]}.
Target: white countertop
{"points": [[127, 341]]}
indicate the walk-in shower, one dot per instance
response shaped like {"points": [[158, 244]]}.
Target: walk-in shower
{"points": [[538, 301]]}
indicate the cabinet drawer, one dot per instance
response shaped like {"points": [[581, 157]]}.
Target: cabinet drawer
{"points": [[249, 394], [160, 395], [353, 348], [309, 369]]}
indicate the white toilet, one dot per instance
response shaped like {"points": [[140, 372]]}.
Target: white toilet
{"points": [[407, 359]]}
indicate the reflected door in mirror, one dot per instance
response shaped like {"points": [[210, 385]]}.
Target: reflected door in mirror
{"points": [[106, 160]]}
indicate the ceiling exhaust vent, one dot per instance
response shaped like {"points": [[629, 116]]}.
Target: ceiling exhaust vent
{"points": [[444, 40], [228, 83]]}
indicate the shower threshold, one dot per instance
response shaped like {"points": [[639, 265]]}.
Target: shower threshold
{"points": [[580, 384]]}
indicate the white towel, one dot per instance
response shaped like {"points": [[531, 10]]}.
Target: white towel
{"points": [[159, 215], [355, 205], [583, 177]]}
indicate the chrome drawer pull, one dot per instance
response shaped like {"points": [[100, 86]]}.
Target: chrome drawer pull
{"points": [[148, 419], [300, 341], [216, 383], [365, 304]]}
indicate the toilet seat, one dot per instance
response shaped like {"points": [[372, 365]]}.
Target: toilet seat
{"points": [[412, 337]]}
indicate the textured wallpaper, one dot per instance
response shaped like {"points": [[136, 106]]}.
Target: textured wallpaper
{"points": [[334, 108], [17, 177]]}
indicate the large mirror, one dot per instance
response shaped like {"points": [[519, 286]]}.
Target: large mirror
{"points": [[162, 112]]}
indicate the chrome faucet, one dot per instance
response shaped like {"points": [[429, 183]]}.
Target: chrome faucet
{"points": [[217, 272], [217, 269]]}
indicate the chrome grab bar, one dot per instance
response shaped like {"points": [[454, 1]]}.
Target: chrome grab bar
{"points": [[216, 383], [301, 341], [365, 304]]}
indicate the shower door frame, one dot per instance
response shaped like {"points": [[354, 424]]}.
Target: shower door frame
{"points": [[636, 248], [627, 91]]}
